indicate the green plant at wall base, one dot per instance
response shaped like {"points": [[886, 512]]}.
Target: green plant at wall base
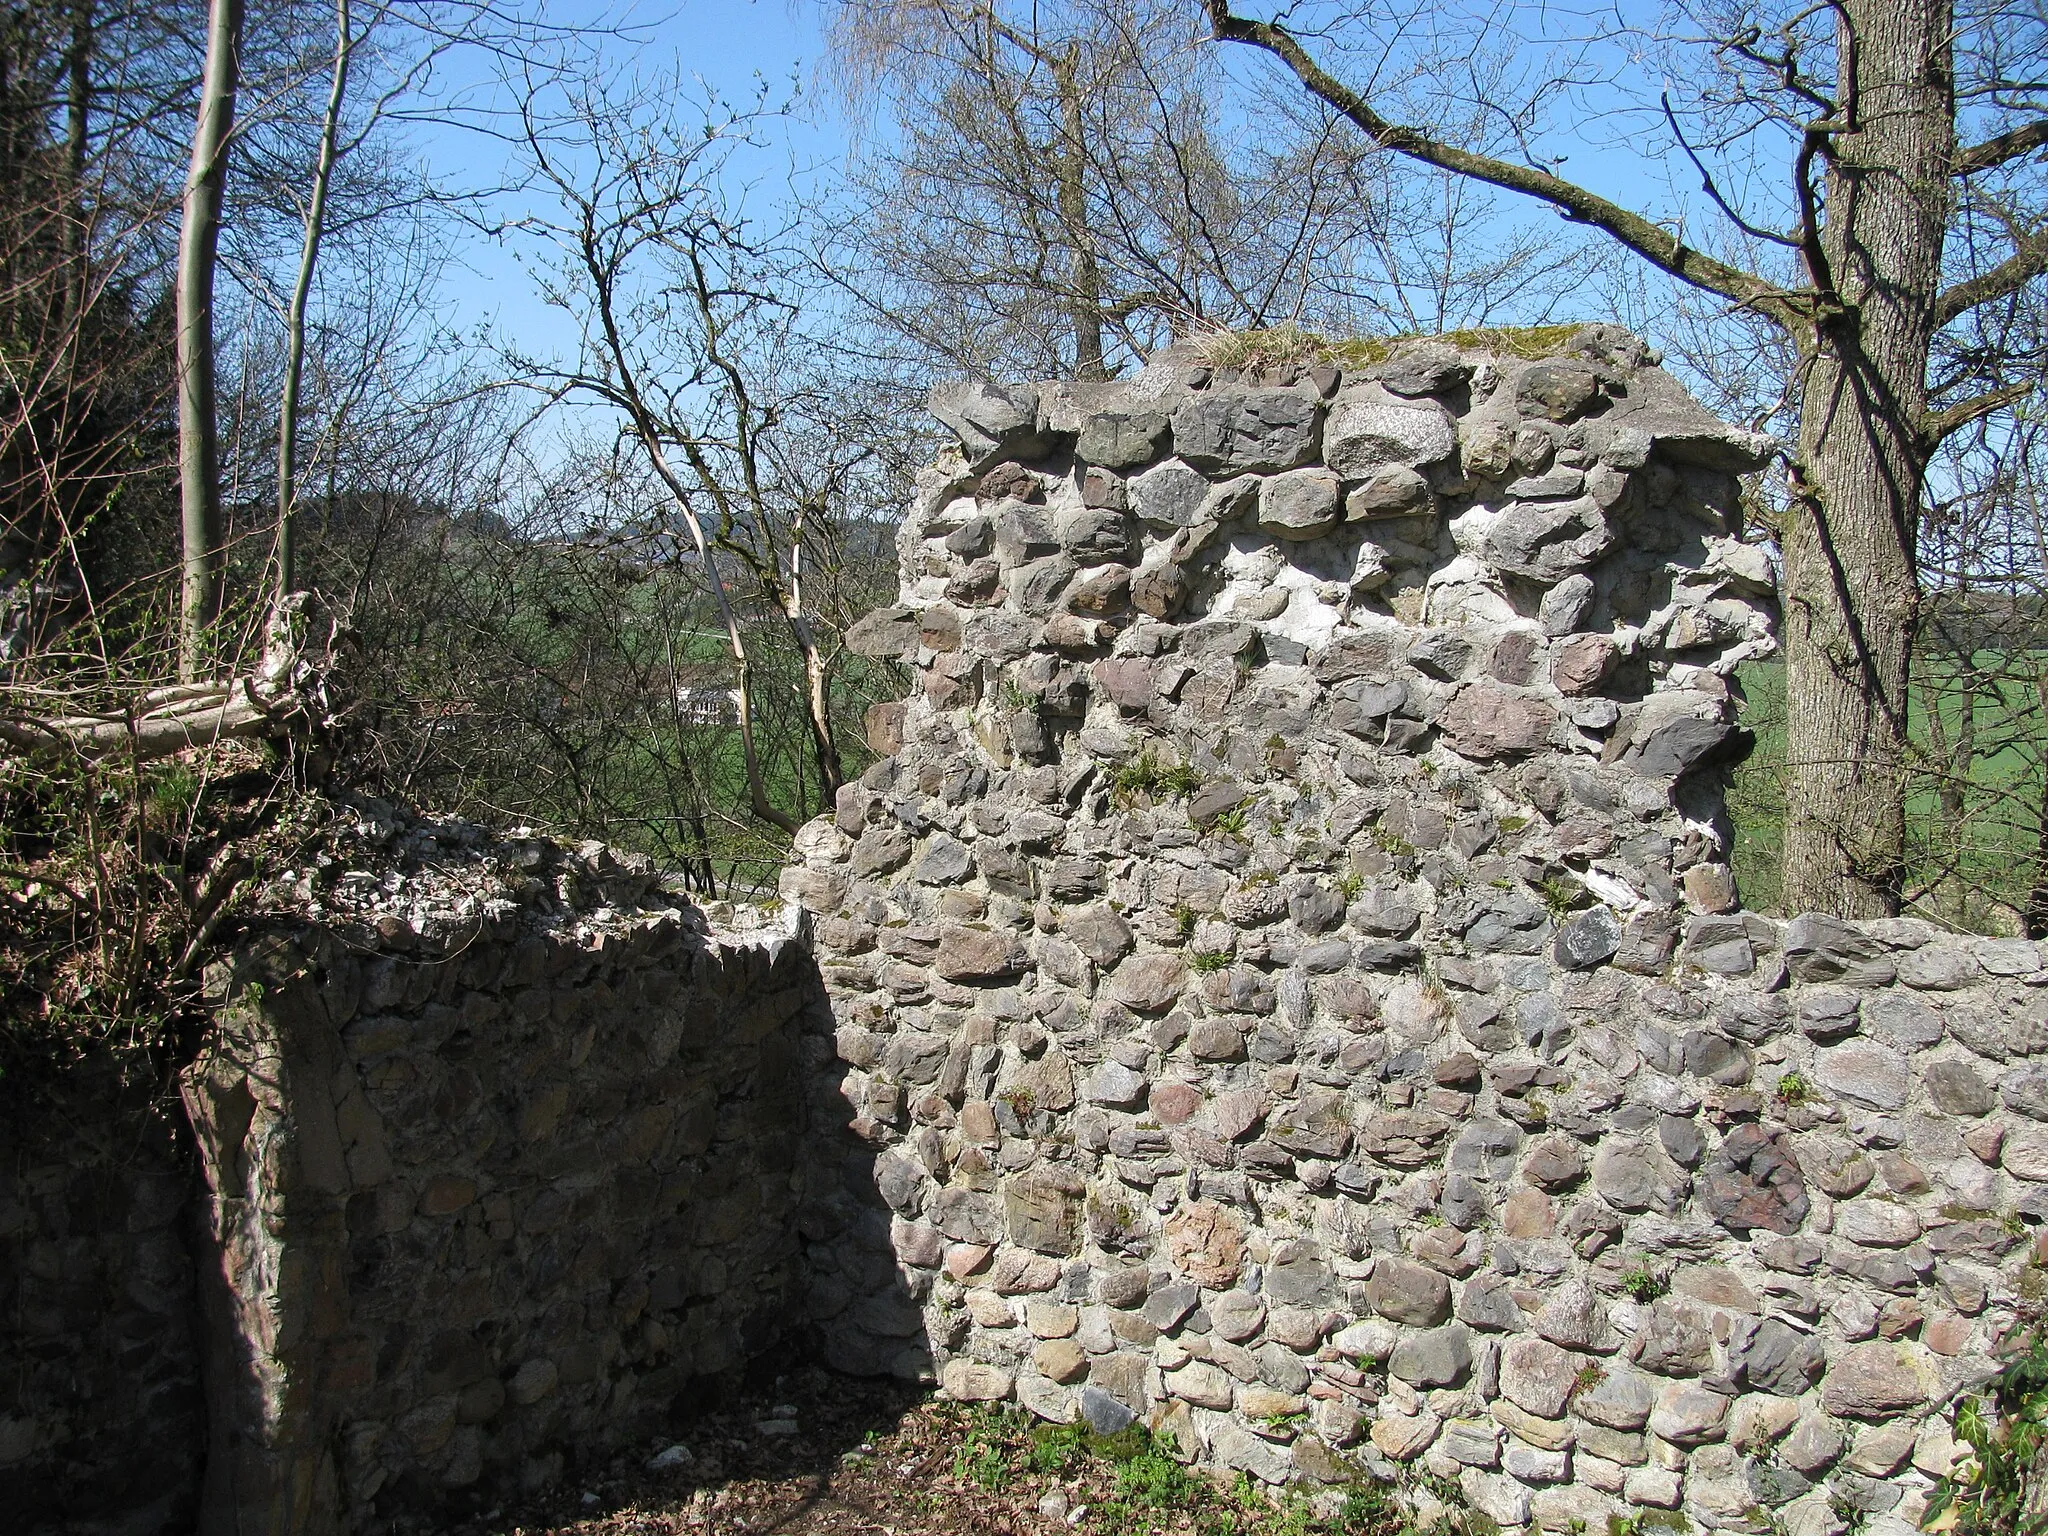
{"points": [[982, 1457], [1056, 1447], [1184, 921], [1560, 894], [171, 790], [1138, 1486], [1229, 823], [1994, 1491], [1204, 961], [1643, 1284], [1793, 1088], [1350, 884], [1147, 778]]}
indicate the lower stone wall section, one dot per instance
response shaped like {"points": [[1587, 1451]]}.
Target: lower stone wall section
{"points": [[487, 1202], [1715, 1233], [101, 1415], [1288, 981]]}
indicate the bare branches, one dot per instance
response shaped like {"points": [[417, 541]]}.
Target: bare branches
{"points": [[2002, 149], [689, 333], [2028, 261], [1941, 424], [1655, 245], [1713, 191]]}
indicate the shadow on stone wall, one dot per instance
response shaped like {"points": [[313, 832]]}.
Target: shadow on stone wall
{"points": [[497, 1206], [101, 1418], [863, 1308], [1286, 961]]}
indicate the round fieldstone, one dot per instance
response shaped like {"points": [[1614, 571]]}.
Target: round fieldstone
{"points": [[1396, 491], [1633, 1176], [1236, 1315], [1621, 1399], [1149, 983], [1372, 428], [1877, 1381], [1864, 1072], [1408, 1292], [1957, 1088], [1587, 940], [1537, 1375], [1688, 1414], [1301, 504], [1752, 1182], [1432, 1357], [1486, 719]]}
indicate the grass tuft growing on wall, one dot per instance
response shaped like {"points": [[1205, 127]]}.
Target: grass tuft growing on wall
{"points": [[1280, 346]]}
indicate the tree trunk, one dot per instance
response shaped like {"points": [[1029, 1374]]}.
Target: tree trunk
{"points": [[743, 667], [817, 693], [302, 289], [1851, 583], [77, 140], [198, 249], [1084, 302], [2037, 897]]}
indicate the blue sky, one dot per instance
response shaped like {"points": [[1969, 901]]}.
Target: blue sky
{"points": [[734, 47], [738, 46]]}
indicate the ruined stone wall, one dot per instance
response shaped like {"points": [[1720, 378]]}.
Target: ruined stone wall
{"points": [[503, 1151], [1288, 982], [101, 1416]]}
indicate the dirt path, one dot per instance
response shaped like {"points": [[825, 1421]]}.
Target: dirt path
{"points": [[820, 1457], [826, 1456]]}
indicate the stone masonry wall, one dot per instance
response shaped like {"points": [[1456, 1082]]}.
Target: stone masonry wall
{"points": [[102, 1422], [503, 1152], [1288, 982]]}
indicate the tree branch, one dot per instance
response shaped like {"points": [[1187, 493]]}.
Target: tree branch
{"points": [[1937, 425], [283, 695], [2000, 148], [1707, 185], [2025, 264], [1654, 244]]}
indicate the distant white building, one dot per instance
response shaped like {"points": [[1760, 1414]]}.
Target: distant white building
{"points": [[704, 697]]}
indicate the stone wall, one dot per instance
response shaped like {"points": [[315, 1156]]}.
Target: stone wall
{"points": [[1289, 986], [1285, 986], [101, 1416], [503, 1147]]}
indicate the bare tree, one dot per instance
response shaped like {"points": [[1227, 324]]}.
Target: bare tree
{"points": [[198, 255], [1894, 126], [1065, 187], [690, 333], [302, 291]]}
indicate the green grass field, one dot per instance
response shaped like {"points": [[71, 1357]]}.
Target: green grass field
{"points": [[1972, 855]]}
